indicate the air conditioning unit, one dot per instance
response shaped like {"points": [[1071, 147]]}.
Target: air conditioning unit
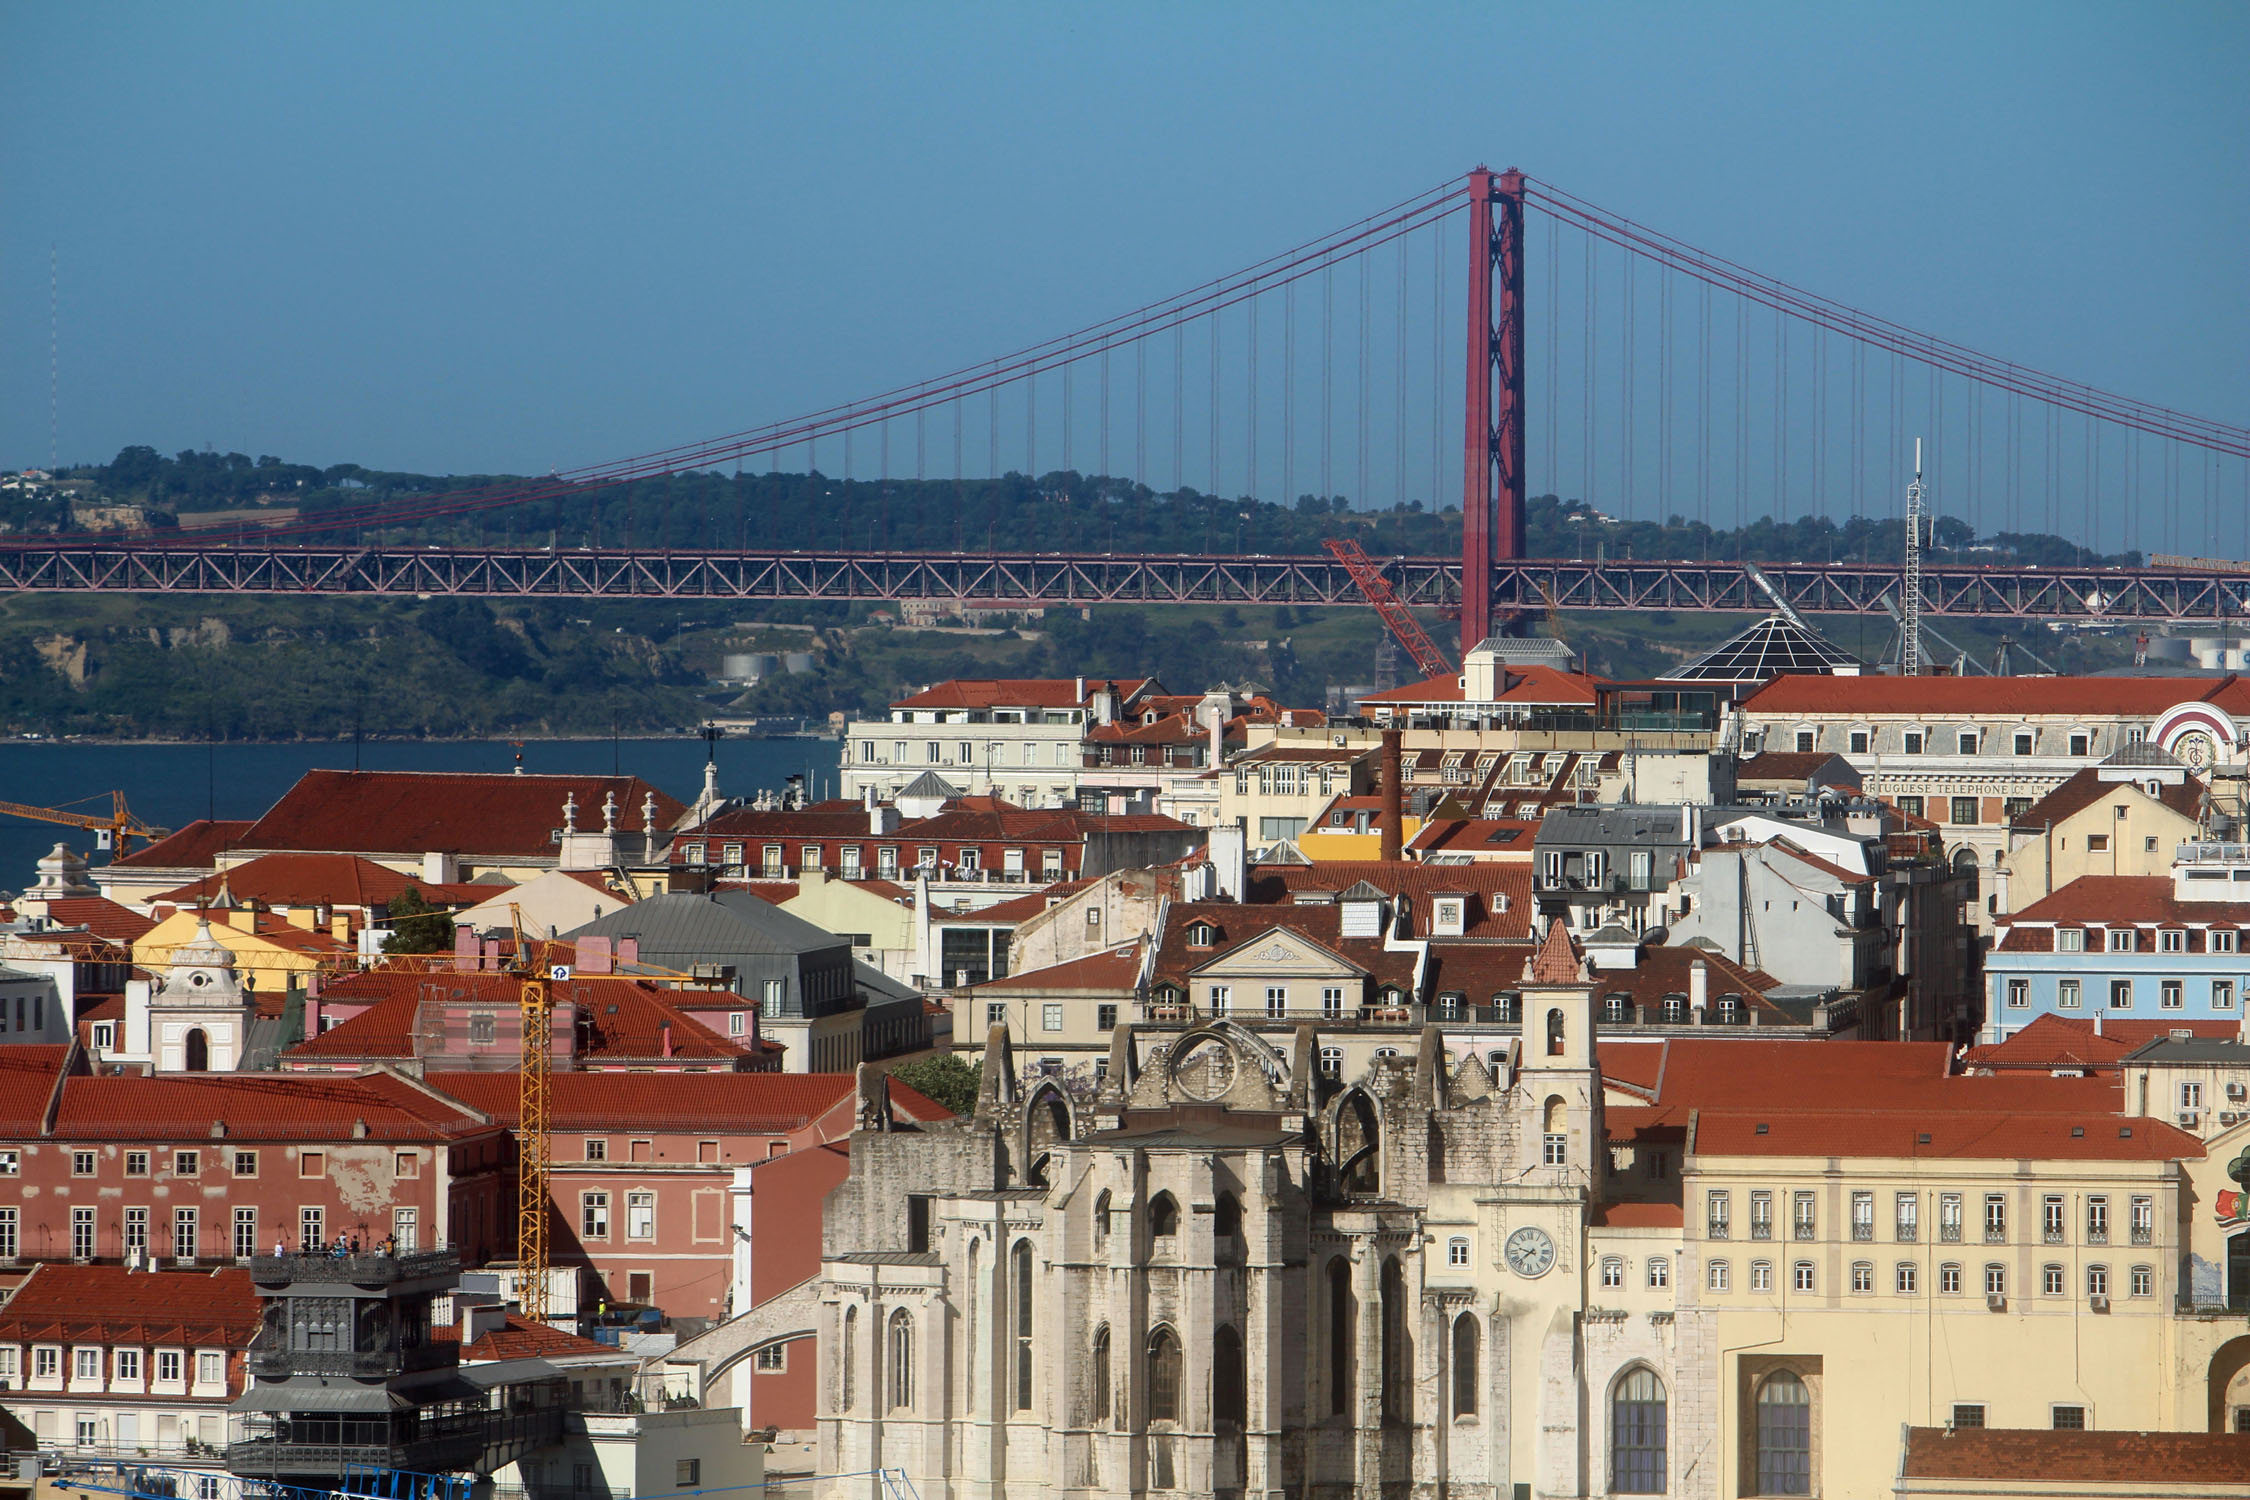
{"points": [[2237, 1091], [2190, 1118], [2099, 1302], [2230, 1117], [1995, 1302]]}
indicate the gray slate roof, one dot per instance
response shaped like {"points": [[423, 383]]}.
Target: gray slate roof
{"points": [[682, 925]]}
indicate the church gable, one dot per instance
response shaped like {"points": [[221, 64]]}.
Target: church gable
{"points": [[1279, 952]]}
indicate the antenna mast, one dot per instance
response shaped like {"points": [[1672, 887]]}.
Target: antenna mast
{"points": [[1910, 624]]}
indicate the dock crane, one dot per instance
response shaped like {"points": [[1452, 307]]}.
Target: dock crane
{"points": [[1394, 614], [116, 827]]}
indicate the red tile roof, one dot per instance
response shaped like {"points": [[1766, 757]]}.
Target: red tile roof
{"points": [[101, 916], [520, 1339], [1952, 1133], [194, 847], [721, 1103], [1638, 1216], [1787, 765], [28, 1074], [1500, 905], [2114, 901], [1987, 697], [319, 880], [1233, 926], [111, 1305], [1114, 970], [2051, 1041], [623, 1018], [1490, 836], [413, 812], [1557, 960], [2088, 787], [256, 1107], [2077, 1460]]}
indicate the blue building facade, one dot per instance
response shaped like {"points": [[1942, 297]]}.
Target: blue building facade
{"points": [[2118, 946]]}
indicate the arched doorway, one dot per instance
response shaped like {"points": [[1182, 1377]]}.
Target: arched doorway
{"points": [[196, 1054], [2230, 1386]]}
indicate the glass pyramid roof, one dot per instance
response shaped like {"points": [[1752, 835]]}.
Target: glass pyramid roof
{"points": [[1767, 649]]}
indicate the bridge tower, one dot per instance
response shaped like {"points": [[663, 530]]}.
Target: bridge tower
{"points": [[1492, 474]]}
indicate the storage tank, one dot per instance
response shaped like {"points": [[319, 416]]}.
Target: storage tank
{"points": [[2170, 648], [747, 666], [797, 661]]}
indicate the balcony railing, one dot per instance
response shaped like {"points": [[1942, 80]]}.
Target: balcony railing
{"points": [[367, 1268]]}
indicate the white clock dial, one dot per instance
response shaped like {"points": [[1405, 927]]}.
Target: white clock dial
{"points": [[1529, 1252]]}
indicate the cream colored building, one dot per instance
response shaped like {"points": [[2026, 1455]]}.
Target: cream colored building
{"points": [[2126, 816]]}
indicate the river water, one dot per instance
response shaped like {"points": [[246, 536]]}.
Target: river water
{"points": [[170, 785]]}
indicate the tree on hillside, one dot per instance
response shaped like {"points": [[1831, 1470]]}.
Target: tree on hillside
{"points": [[943, 1078], [417, 926]]}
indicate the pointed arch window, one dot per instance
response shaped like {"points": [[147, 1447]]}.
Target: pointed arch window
{"points": [[1396, 1402], [1342, 1330], [1637, 1434], [1163, 1376], [1020, 1270], [1230, 1397], [1098, 1376], [845, 1393], [1784, 1435], [1163, 1216], [900, 1353], [1467, 1352]]}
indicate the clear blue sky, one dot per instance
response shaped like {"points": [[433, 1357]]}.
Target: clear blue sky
{"points": [[476, 236]]}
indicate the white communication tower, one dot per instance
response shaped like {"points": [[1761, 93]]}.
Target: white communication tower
{"points": [[1910, 623]]}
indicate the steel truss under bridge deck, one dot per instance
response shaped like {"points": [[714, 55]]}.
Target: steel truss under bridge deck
{"points": [[1035, 579]]}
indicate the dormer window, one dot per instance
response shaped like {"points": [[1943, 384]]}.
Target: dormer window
{"points": [[1446, 916], [2120, 940], [1202, 935], [1914, 741], [1613, 1008], [1675, 1010]]}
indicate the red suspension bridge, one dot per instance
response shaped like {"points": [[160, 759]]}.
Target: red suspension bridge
{"points": [[1693, 392]]}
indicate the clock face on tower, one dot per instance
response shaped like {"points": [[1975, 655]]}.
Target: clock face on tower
{"points": [[1529, 1252]]}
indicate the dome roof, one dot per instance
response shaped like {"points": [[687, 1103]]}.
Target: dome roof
{"points": [[1767, 649], [203, 951]]}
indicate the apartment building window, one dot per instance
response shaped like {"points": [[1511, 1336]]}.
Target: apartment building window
{"points": [[136, 1230], [1995, 1279], [187, 1163], [2023, 742], [1949, 1216], [1332, 1062], [2144, 1281], [1718, 1206], [2222, 992], [995, 1013], [312, 1164], [1911, 806], [136, 1164], [245, 1163], [2144, 1221], [2171, 940], [210, 1369], [1863, 1216], [1051, 1016], [1716, 1275], [1859, 742], [245, 1233], [2097, 1221], [1913, 742], [1964, 809], [2168, 995], [46, 1364], [2079, 744], [1277, 999], [1613, 1271], [1803, 1218], [169, 1366], [1995, 1218], [2119, 939], [2191, 1096], [1906, 1216], [2070, 940], [2050, 1280], [593, 1216], [82, 1163], [1949, 1278], [640, 1216], [1105, 1017], [128, 1363], [1457, 1251], [2121, 994], [2097, 843], [936, 753], [769, 998], [886, 861], [2012, 808], [312, 1231], [738, 1023], [2097, 1281], [2019, 994], [1554, 1149], [1863, 1276], [2066, 994], [2051, 1230], [1801, 1276], [1761, 1216], [184, 1233], [1968, 1414], [82, 1233], [2221, 939], [1659, 1271], [1761, 1276], [1804, 741], [1906, 1278], [406, 1228], [1221, 998], [2070, 1418]]}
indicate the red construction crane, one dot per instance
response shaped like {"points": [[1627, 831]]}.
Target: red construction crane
{"points": [[1402, 624]]}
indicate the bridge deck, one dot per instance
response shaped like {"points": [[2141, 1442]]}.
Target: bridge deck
{"points": [[1025, 579]]}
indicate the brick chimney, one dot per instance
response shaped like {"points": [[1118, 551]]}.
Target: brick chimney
{"points": [[1394, 796]]}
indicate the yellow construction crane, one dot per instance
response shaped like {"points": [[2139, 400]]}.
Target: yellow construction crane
{"points": [[119, 825], [535, 1000]]}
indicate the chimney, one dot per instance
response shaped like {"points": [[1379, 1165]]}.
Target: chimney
{"points": [[664, 1036], [1218, 718], [1394, 800], [1698, 986], [629, 951]]}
